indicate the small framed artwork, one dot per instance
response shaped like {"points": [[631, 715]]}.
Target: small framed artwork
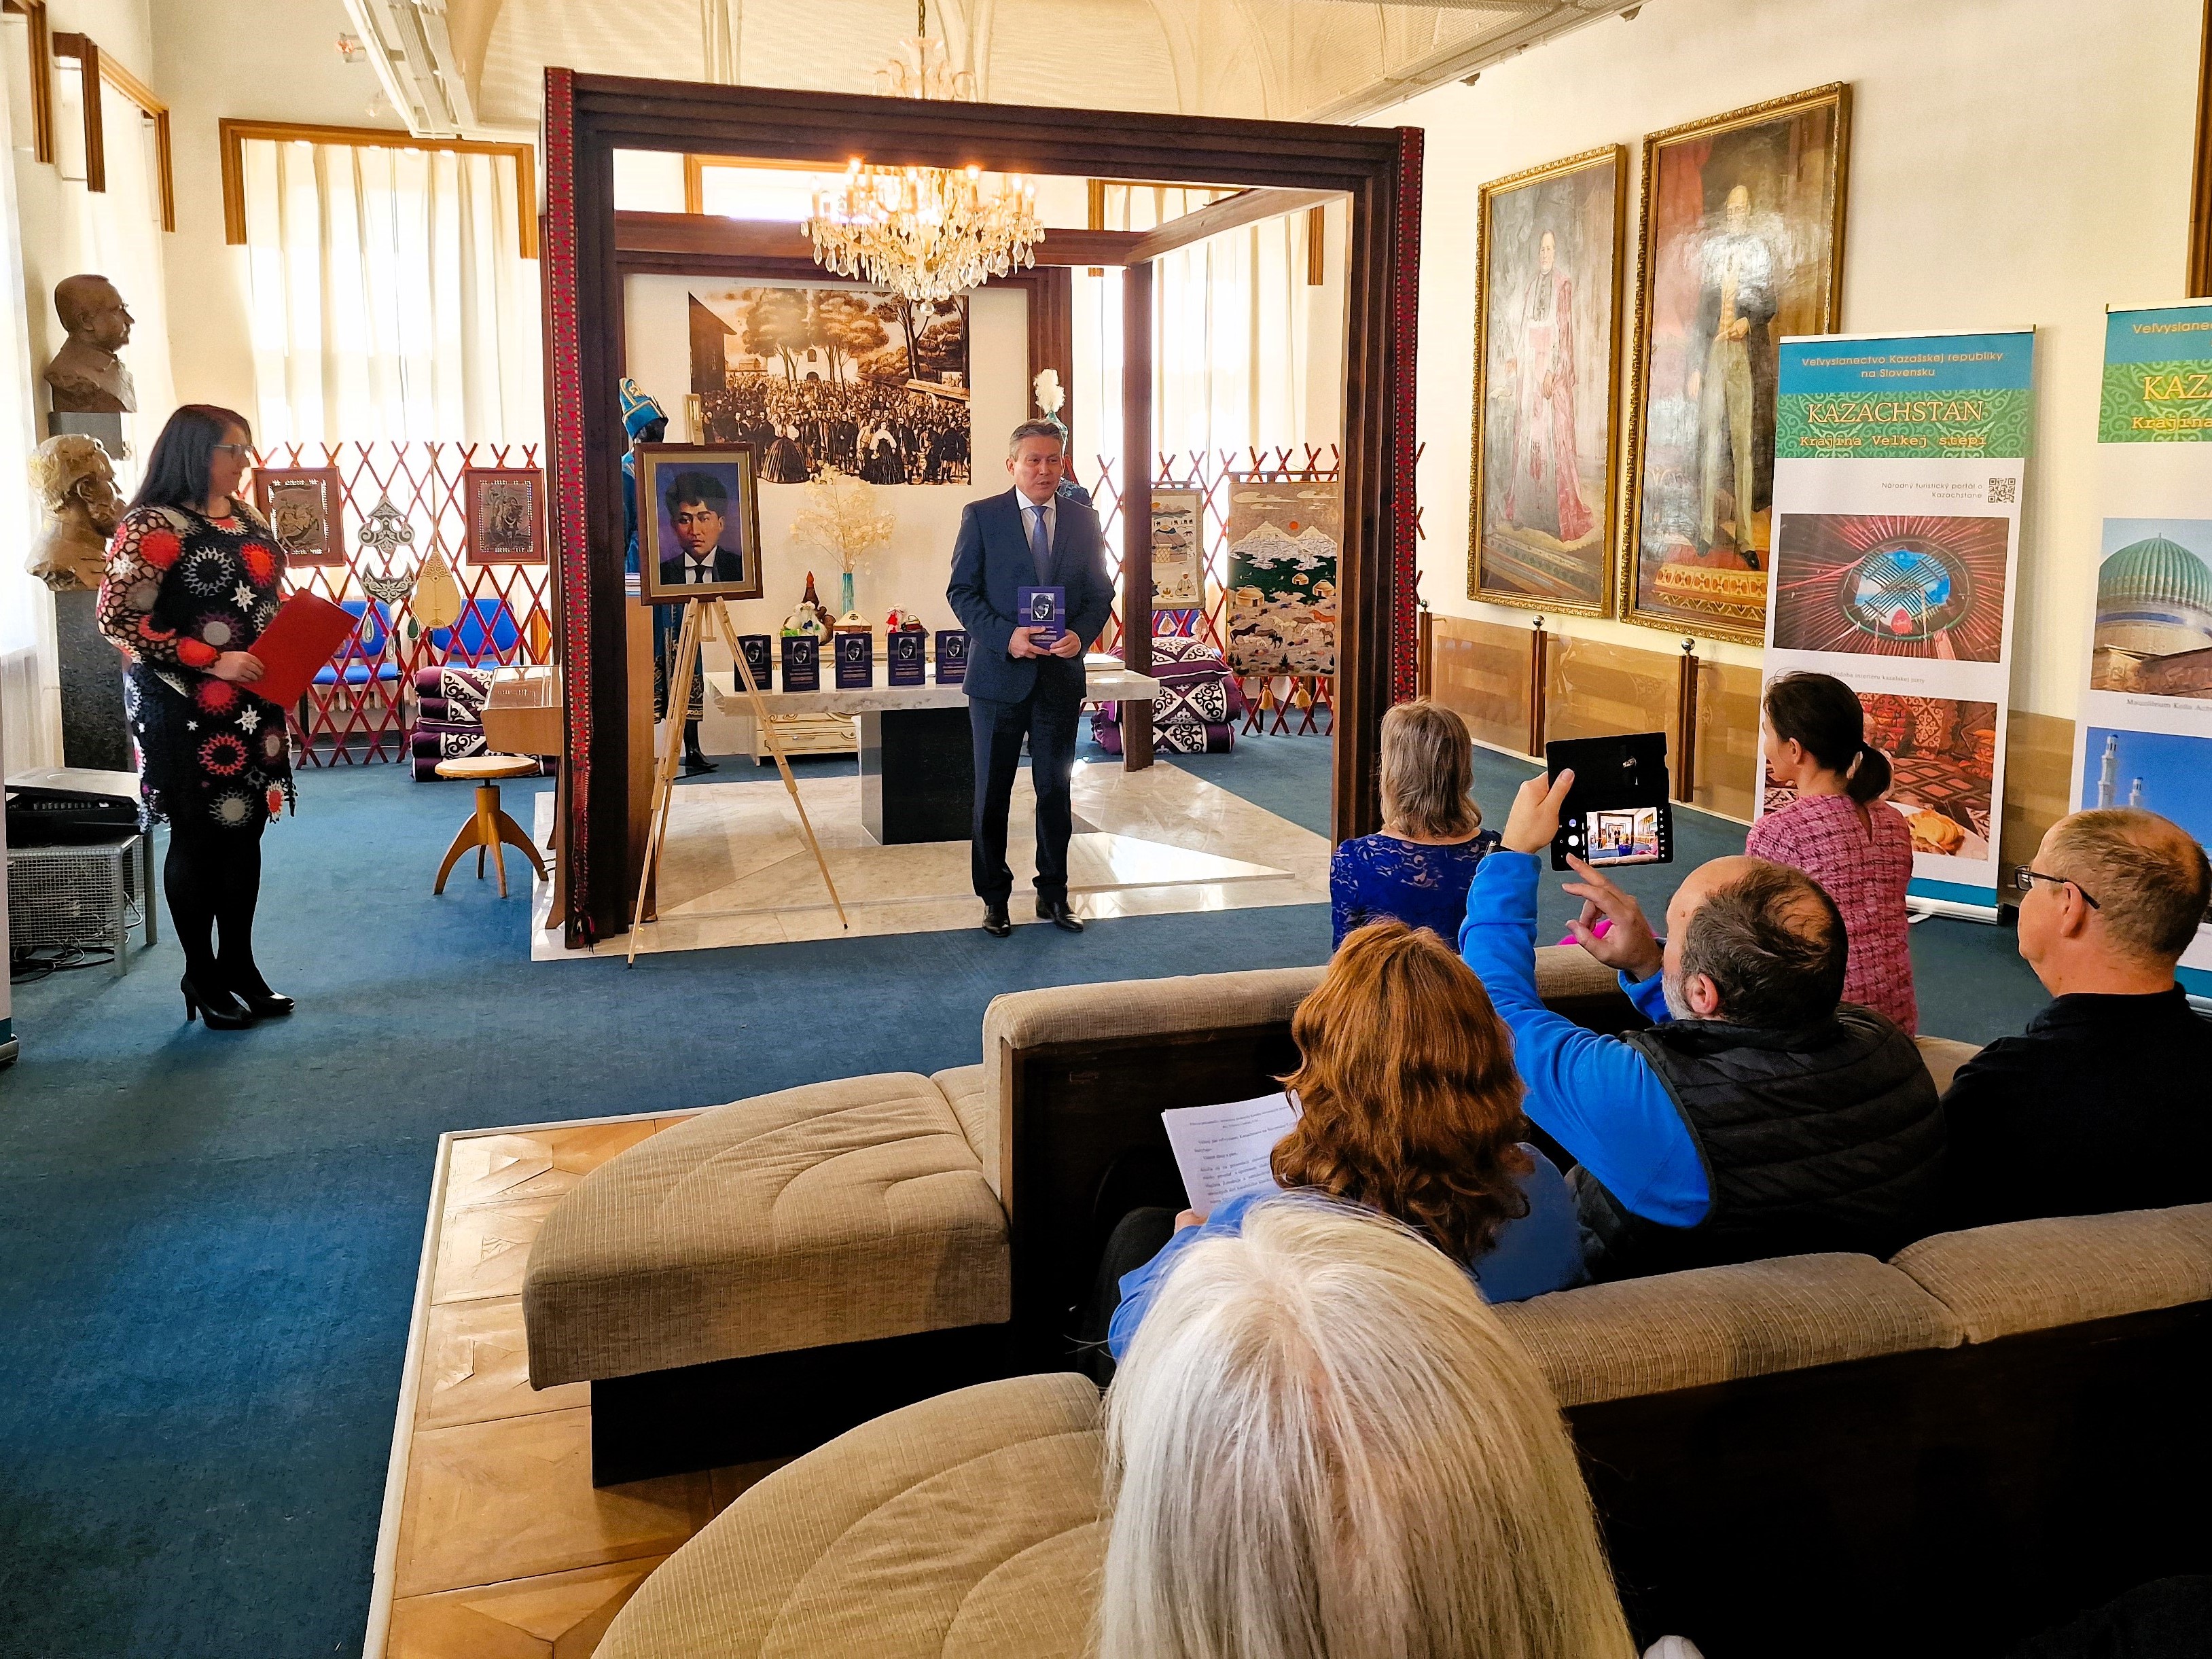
{"points": [[1178, 548], [506, 511], [1548, 358], [305, 506], [699, 522]]}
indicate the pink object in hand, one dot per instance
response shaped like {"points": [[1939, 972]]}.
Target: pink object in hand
{"points": [[1602, 927]]}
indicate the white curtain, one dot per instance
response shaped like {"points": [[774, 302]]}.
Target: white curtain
{"points": [[391, 300], [1247, 353]]}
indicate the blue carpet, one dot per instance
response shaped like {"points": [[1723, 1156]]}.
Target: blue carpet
{"points": [[208, 1241]]}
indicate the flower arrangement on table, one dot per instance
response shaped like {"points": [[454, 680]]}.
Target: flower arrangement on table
{"points": [[843, 519]]}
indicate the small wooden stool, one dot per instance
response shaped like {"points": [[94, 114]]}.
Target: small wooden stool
{"points": [[489, 826]]}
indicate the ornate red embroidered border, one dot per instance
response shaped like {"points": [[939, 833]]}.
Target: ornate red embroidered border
{"points": [[1406, 297], [565, 457]]}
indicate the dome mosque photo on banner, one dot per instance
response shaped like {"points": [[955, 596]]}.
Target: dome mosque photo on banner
{"points": [[856, 379], [2155, 609], [1879, 586]]}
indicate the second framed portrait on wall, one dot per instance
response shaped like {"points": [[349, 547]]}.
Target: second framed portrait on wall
{"points": [[1741, 244], [1547, 363], [698, 522]]}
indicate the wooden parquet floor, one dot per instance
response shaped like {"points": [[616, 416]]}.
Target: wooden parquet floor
{"points": [[495, 1543]]}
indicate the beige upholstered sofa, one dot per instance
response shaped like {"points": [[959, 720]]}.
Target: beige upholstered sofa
{"points": [[750, 1283], [1824, 1454]]}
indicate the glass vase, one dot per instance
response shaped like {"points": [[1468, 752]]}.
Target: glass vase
{"points": [[844, 593]]}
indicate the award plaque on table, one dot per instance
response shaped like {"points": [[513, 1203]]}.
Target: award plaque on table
{"points": [[906, 654], [757, 657], [951, 656], [1044, 609], [802, 663], [856, 660]]}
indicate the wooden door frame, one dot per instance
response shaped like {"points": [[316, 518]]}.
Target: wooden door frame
{"points": [[589, 116]]}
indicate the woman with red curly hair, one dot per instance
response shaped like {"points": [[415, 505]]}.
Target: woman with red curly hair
{"points": [[1408, 1104], [192, 578]]}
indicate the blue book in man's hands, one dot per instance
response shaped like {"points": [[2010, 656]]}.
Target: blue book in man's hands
{"points": [[1044, 609]]}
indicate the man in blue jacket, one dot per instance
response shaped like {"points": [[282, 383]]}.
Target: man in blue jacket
{"points": [[1030, 536], [1758, 1115]]}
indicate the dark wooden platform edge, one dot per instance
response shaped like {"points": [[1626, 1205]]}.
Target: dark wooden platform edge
{"points": [[776, 1405]]}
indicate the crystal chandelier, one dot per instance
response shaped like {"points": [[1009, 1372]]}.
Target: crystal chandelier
{"points": [[927, 233]]}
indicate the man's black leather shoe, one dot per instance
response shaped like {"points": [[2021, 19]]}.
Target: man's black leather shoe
{"points": [[996, 922], [1056, 912]]}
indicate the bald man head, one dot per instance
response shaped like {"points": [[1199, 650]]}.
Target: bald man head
{"points": [[1754, 944]]}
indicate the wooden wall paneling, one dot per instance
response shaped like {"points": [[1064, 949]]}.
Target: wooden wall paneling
{"points": [[2038, 788], [1136, 507], [40, 42], [1479, 670], [84, 51], [1727, 780], [1595, 690], [1376, 168]]}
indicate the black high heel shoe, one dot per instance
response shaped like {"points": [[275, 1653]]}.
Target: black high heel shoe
{"points": [[262, 1002], [222, 1012]]}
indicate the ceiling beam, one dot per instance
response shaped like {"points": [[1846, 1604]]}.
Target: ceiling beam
{"points": [[1246, 207]]}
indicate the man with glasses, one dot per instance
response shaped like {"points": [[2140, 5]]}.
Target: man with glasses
{"points": [[2105, 1103]]}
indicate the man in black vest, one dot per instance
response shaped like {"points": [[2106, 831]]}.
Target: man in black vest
{"points": [[1758, 1115]]}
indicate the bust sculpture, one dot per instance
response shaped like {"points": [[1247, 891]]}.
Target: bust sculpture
{"points": [[76, 484], [85, 374]]}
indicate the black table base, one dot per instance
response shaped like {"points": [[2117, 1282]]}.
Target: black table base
{"points": [[917, 775]]}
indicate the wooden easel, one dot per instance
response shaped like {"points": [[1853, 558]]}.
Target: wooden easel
{"points": [[671, 756]]}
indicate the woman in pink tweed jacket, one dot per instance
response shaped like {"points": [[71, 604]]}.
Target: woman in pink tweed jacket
{"points": [[1838, 831]]}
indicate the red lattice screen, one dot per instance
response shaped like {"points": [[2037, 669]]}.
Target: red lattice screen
{"points": [[364, 717]]}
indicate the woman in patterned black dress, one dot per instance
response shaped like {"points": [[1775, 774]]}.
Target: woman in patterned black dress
{"points": [[192, 578]]}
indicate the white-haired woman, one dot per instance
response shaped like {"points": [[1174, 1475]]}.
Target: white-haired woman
{"points": [[1323, 1445]]}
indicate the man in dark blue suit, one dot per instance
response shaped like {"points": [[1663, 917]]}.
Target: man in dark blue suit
{"points": [[1030, 536]]}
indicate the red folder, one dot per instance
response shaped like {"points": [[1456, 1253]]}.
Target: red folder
{"points": [[305, 633]]}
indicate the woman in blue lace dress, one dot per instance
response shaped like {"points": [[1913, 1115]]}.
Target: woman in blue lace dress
{"points": [[1420, 867]]}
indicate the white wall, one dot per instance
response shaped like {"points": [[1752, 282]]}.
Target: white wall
{"points": [[247, 60], [2013, 162]]}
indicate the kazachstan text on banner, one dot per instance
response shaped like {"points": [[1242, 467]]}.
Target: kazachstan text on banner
{"points": [[1900, 465], [2144, 736]]}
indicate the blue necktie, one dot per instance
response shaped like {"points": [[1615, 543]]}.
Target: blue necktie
{"points": [[1040, 548]]}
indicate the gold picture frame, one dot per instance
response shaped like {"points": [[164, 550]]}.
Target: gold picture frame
{"points": [[1790, 160], [723, 481], [1535, 563]]}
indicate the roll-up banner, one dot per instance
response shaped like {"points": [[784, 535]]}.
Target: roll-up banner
{"points": [[2144, 736], [1898, 466]]}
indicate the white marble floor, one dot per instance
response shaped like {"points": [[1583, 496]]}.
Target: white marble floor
{"points": [[1155, 843]]}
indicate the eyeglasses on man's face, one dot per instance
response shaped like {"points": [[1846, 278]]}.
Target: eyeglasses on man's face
{"points": [[2024, 877]]}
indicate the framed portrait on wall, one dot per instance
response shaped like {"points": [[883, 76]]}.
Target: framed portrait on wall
{"points": [[698, 522], [1178, 548], [1546, 364], [1741, 244], [305, 506], [505, 507]]}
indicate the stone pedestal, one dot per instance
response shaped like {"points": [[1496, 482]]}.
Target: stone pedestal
{"points": [[94, 730], [108, 428]]}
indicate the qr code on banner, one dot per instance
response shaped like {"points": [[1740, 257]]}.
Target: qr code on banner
{"points": [[2004, 492]]}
